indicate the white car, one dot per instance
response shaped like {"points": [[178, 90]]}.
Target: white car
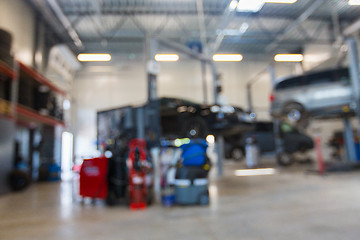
{"points": [[317, 94]]}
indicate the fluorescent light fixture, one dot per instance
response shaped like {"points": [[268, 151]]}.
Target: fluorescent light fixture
{"points": [[233, 4], [255, 172], [166, 57], [289, 57], [281, 1], [250, 5], [354, 2], [227, 57], [94, 57]]}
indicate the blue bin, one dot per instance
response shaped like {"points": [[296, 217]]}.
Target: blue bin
{"points": [[54, 172]]}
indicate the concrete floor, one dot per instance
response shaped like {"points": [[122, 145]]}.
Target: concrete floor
{"points": [[287, 205]]}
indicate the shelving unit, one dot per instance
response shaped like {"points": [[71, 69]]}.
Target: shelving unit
{"points": [[5, 69], [7, 76], [26, 109]]}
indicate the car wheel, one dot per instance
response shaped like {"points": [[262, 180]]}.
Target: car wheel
{"points": [[294, 112], [195, 128], [237, 153], [285, 159]]}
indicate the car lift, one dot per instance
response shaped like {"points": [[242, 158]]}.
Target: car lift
{"points": [[348, 131]]}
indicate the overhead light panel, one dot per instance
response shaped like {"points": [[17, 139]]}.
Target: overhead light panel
{"points": [[233, 4], [227, 57], [94, 57], [250, 5], [289, 57], [354, 2], [166, 57], [255, 172], [281, 1]]}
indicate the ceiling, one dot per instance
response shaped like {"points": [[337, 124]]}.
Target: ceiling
{"points": [[120, 26]]}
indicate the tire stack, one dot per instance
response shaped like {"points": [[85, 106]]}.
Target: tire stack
{"points": [[7, 59], [5, 48]]}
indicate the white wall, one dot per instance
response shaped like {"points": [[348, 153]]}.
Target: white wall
{"points": [[18, 18], [123, 83]]}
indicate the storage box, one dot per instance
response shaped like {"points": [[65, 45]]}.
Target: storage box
{"points": [[187, 193]]}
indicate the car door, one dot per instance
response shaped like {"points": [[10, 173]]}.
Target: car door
{"points": [[325, 91], [264, 136]]}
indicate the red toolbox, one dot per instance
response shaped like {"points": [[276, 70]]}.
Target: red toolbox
{"points": [[93, 178]]}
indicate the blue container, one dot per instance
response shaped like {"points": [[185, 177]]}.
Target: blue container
{"points": [[54, 172], [194, 153]]}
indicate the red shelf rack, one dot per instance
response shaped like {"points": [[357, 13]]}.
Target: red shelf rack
{"points": [[6, 109], [5, 69], [26, 114], [41, 79]]}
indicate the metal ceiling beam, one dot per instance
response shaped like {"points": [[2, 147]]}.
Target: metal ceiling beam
{"points": [[65, 22], [179, 47], [304, 16], [353, 28], [43, 9]]}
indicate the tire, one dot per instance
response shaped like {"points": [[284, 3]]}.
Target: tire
{"points": [[19, 180], [237, 153], [295, 112], [111, 198], [285, 159], [5, 40], [195, 128]]}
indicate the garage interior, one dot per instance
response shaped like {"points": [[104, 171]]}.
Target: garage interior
{"points": [[183, 119]]}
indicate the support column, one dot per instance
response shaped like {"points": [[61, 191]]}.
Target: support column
{"points": [[354, 74], [203, 74], [349, 141], [220, 146], [355, 83], [215, 83], [152, 68], [279, 146]]}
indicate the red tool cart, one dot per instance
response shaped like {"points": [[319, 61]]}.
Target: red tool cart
{"points": [[138, 167], [93, 178]]}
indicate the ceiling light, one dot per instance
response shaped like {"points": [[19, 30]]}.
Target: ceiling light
{"points": [[233, 4], [281, 1], [255, 172], [354, 2], [166, 57], [227, 57], [94, 57], [250, 5], [289, 57]]}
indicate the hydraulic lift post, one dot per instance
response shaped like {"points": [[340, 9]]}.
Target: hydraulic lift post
{"points": [[355, 83], [279, 145]]}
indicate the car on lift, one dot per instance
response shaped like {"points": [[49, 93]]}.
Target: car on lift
{"points": [[325, 94], [183, 118], [294, 141]]}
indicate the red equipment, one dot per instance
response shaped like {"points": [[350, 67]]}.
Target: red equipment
{"points": [[93, 178], [138, 165]]}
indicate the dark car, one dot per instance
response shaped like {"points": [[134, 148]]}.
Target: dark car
{"points": [[183, 118], [294, 141]]}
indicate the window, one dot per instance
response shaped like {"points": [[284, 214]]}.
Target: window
{"points": [[319, 78], [342, 75], [290, 83], [264, 127]]}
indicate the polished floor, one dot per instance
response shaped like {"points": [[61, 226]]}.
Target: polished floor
{"points": [[287, 205]]}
